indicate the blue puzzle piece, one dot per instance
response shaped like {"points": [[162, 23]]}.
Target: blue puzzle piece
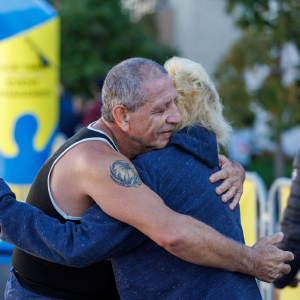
{"points": [[23, 168]]}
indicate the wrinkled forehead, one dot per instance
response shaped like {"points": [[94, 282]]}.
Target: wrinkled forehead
{"points": [[160, 89]]}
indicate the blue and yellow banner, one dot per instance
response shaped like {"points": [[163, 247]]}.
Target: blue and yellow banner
{"points": [[29, 89]]}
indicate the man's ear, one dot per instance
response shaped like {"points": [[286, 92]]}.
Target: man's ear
{"points": [[121, 116]]}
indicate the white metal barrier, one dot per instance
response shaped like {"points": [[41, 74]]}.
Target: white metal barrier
{"points": [[255, 223], [277, 202], [261, 212]]}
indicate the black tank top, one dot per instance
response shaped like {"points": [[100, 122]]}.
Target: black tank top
{"points": [[51, 279]]}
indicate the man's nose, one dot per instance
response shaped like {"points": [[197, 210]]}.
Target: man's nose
{"points": [[174, 116]]}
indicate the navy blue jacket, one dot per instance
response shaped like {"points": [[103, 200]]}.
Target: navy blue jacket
{"points": [[179, 174]]}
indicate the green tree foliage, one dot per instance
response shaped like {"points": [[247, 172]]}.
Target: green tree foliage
{"points": [[96, 35], [267, 27]]}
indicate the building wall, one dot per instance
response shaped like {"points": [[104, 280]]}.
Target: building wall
{"points": [[202, 31]]}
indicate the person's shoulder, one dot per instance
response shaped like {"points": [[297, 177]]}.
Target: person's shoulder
{"points": [[96, 157], [148, 157], [154, 159], [199, 142]]}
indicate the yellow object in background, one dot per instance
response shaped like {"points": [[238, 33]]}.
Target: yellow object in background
{"points": [[284, 194], [288, 293], [248, 207], [21, 191], [29, 89]]}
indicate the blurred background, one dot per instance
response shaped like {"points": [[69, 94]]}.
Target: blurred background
{"points": [[54, 56]]}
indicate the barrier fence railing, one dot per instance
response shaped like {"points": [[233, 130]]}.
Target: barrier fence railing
{"points": [[277, 201], [261, 213], [254, 217]]}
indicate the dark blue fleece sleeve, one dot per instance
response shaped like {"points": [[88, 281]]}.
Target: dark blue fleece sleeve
{"points": [[98, 237]]}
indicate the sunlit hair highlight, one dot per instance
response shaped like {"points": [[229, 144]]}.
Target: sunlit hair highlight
{"points": [[198, 101]]}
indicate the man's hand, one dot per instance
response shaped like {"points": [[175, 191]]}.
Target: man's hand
{"points": [[269, 264], [234, 175]]}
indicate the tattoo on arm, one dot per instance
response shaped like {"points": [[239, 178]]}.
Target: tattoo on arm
{"points": [[122, 173]]}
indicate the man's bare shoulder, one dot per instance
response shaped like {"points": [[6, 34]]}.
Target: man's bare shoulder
{"points": [[95, 158]]}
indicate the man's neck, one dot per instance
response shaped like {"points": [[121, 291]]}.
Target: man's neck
{"points": [[119, 137]]}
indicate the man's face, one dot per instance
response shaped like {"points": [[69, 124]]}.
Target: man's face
{"points": [[152, 124]]}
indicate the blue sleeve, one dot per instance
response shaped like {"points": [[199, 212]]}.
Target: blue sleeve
{"points": [[98, 237]]}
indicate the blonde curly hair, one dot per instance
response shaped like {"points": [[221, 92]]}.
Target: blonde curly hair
{"points": [[198, 100]]}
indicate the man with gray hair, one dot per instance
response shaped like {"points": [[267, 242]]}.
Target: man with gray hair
{"points": [[128, 90], [139, 115]]}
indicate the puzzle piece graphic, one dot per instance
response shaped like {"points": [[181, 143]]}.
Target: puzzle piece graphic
{"points": [[23, 168]]}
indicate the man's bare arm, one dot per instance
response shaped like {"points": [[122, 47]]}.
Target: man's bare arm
{"points": [[26, 226], [68, 243], [124, 197]]}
